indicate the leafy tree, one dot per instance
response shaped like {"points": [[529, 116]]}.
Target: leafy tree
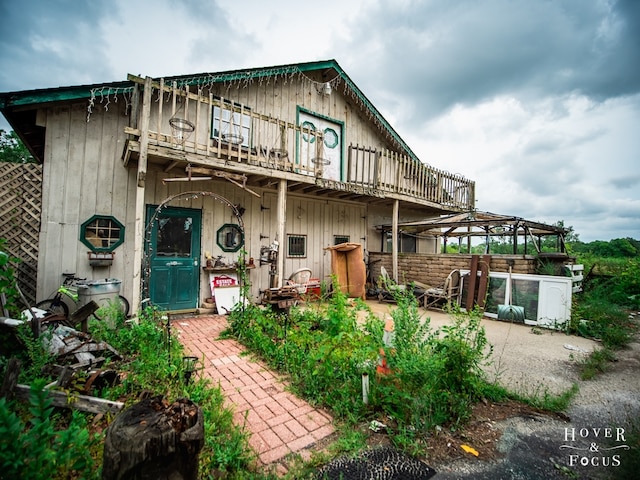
{"points": [[616, 248], [623, 247], [12, 149]]}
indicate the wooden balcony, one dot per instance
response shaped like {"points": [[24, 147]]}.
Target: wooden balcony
{"points": [[186, 128]]}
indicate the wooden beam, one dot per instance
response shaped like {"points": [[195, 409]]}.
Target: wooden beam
{"points": [[484, 280], [170, 166], [85, 403], [473, 280]]}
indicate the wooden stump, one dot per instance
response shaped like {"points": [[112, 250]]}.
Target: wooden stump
{"points": [[154, 440]]}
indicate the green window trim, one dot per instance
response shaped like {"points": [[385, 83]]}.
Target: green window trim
{"points": [[230, 237], [102, 233]]}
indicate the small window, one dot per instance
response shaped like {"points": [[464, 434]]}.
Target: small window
{"points": [[297, 246], [338, 239], [102, 233], [230, 237], [231, 127], [406, 243]]}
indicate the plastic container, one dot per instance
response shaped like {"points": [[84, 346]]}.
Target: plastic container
{"points": [[100, 291]]}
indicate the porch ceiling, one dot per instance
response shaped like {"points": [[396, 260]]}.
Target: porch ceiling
{"points": [[176, 164]]}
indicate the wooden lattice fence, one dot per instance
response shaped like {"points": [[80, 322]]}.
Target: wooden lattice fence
{"points": [[20, 210]]}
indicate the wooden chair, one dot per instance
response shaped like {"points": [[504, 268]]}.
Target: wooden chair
{"points": [[448, 292]]}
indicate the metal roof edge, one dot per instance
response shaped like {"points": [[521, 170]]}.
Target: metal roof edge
{"points": [[57, 94]]}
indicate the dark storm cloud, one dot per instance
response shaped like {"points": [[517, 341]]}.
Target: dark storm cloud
{"points": [[466, 52], [36, 34]]}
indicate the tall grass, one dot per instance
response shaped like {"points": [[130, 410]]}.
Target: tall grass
{"points": [[432, 378], [41, 442], [602, 310]]}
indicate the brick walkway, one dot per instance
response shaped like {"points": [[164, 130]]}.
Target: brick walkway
{"points": [[279, 422]]}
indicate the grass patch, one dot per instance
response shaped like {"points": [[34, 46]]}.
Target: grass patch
{"points": [[595, 363], [546, 401]]}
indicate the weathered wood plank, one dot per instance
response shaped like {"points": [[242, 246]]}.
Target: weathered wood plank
{"points": [[84, 403]]}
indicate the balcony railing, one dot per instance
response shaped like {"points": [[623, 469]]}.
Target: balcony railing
{"points": [[182, 122]]}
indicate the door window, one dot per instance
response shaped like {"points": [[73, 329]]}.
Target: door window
{"points": [[174, 236]]}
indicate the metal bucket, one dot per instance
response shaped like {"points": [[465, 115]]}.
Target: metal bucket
{"points": [[511, 313]]}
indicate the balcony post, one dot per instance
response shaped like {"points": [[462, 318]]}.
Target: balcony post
{"points": [[282, 217], [138, 246], [394, 239]]}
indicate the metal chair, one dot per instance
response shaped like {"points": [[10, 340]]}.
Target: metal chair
{"points": [[388, 288], [448, 292]]}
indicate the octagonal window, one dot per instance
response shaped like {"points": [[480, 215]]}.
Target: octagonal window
{"points": [[102, 233], [230, 237]]}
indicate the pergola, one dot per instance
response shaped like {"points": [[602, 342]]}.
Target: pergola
{"points": [[483, 224]]}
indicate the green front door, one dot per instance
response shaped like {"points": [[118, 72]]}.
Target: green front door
{"points": [[174, 258]]}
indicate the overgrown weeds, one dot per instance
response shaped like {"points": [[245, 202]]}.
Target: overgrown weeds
{"points": [[45, 442], [601, 311], [432, 377], [38, 448], [156, 366]]}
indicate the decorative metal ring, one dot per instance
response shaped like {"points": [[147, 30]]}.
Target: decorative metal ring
{"points": [[320, 161], [233, 138], [182, 125]]}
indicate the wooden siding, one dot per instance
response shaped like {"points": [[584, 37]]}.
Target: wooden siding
{"points": [[369, 166], [84, 175]]}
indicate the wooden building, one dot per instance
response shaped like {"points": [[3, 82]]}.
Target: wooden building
{"points": [[142, 178]]}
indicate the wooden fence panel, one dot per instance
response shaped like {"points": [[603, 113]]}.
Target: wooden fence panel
{"points": [[20, 213]]}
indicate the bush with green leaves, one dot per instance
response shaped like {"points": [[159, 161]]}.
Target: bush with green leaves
{"points": [[8, 286], [435, 375], [39, 448]]}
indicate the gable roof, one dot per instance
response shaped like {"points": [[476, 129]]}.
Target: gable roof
{"points": [[14, 105]]}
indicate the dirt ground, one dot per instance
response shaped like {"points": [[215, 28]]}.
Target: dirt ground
{"points": [[590, 440]]}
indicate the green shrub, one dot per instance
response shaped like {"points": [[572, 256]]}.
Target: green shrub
{"points": [[40, 450], [435, 375], [8, 281]]}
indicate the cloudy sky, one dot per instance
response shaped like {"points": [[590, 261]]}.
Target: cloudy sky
{"points": [[538, 101]]}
